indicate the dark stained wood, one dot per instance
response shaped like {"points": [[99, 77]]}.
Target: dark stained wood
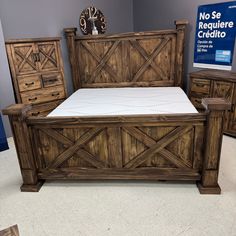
{"points": [[180, 43], [125, 174], [114, 147], [217, 84], [70, 34], [29, 40], [214, 133], [75, 147], [154, 147], [42, 110], [151, 58], [24, 147], [151, 120], [11, 231], [219, 104], [151, 147], [16, 109], [37, 72], [149, 142]]}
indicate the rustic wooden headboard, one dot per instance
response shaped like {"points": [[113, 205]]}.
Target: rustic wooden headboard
{"points": [[152, 58]]}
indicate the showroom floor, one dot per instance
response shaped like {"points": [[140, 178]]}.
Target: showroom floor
{"points": [[118, 208]]}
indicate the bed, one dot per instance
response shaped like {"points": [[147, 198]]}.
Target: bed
{"points": [[128, 119]]}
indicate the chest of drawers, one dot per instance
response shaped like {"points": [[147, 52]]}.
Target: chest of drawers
{"points": [[37, 73], [219, 84]]}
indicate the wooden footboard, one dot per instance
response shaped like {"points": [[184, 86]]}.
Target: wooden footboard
{"points": [[150, 147]]}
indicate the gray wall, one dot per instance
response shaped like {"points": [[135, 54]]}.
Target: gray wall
{"points": [[6, 91], [161, 14], [45, 18]]}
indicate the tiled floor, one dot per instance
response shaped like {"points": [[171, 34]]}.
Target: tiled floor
{"points": [[118, 208]]}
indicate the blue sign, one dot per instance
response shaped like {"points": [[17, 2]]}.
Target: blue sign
{"points": [[3, 140], [215, 36]]}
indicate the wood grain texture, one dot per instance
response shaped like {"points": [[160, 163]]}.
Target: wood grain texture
{"points": [[11, 231], [214, 133], [217, 84], [151, 58], [154, 147], [180, 43], [70, 34], [24, 148], [159, 147], [150, 147], [37, 71]]}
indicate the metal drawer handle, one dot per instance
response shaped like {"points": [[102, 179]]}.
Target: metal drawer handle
{"points": [[55, 94], [201, 85], [29, 84], [53, 79], [35, 113], [33, 99], [197, 101]]}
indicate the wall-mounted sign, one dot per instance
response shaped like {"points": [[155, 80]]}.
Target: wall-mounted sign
{"points": [[215, 36]]}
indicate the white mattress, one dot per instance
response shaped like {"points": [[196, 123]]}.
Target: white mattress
{"points": [[125, 101]]}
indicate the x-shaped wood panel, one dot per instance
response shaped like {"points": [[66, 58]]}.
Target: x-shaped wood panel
{"points": [[102, 62], [25, 59], [74, 148], [149, 59], [148, 62], [156, 147], [48, 56]]}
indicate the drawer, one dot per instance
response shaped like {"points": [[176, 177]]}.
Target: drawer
{"points": [[43, 109], [197, 102], [43, 95], [51, 79], [201, 86], [29, 82]]}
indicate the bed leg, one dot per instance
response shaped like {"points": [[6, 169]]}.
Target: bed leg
{"points": [[21, 133], [32, 187], [216, 108]]}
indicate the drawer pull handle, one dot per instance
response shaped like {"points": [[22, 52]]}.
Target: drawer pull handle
{"points": [[29, 84], [233, 107], [35, 113], [51, 80], [55, 94], [32, 99], [200, 85], [197, 101]]}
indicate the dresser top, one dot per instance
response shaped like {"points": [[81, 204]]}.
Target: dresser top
{"points": [[215, 74], [30, 40]]}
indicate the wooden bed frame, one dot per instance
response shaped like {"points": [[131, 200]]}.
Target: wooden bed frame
{"points": [[145, 147]]}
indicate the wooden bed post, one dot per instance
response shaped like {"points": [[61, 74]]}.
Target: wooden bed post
{"points": [[17, 116], [70, 38], [216, 108], [179, 60]]}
